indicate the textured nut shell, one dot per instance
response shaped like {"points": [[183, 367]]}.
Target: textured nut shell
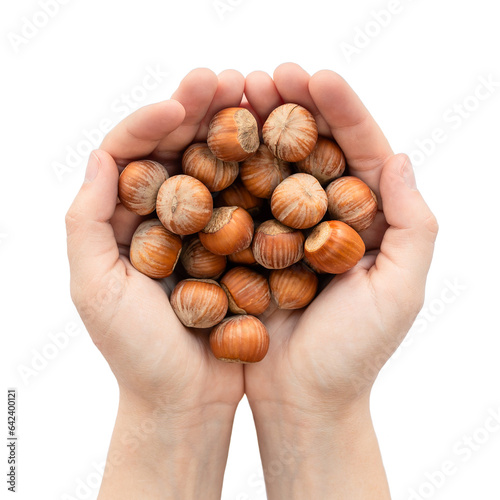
{"points": [[290, 132], [237, 195], [351, 201], [263, 172], [334, 247], [184, 204], [247, 291], [154, 251], [240, 339], [276, 246], [230, 230], [138, 185], [299, 201], [294, 287], [326, 162], [199, 262], [199, 303], [244, 257], [198, 161], [233, 134], [306, 262]]}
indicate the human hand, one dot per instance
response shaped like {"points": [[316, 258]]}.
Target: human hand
{"points": [[323, 360], [165, 372]]}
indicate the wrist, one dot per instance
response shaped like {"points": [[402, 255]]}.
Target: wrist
{"points": [[159, 452], [320, 453], [174, 411], [304, 432]]}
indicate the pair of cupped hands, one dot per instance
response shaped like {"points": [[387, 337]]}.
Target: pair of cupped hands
{"points": [[322, 359]]}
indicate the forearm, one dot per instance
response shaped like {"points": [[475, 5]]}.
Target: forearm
{"points": [[160, 455], [308, 455]]}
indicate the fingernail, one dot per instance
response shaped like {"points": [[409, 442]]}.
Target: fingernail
{"points": [[92, 168], [408, 174]]}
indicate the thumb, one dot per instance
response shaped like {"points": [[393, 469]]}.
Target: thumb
{"points": [[92, 247], [407, 247]]}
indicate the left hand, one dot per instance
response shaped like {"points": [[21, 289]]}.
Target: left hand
{"points": [[328, 355]]}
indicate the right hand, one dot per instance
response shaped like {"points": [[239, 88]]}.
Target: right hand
{"points": [[158, 362]]}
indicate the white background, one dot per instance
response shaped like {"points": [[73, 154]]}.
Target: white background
{"points": [[73, 72]]}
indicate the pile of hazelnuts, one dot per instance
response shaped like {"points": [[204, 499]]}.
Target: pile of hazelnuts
{"points": [[250, 223]]}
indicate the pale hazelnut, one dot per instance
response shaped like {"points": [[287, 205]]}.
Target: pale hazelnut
{"points": [[184, 204], [290, 132]]}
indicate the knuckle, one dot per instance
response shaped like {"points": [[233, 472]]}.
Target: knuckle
{"points": [[431, 224], [72, 222], [82, 298]]}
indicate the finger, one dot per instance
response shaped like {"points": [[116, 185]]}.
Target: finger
{"points": [[228, 94], [364, 145], [292, 82], [262, 94], [407, 247], [92, 248], [195, 94], [138, 135]]}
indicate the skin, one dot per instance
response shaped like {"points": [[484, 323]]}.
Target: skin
{"points": [[310, 395]]}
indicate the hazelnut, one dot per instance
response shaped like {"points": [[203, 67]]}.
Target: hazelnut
{"points": [[334, 247], [351, 201], [299, 201], [240, 339], [233, 134], [154, 250], [184, 204], [290, 132], [198, 161], [199, 303], [263, 172], [229, 230], [237, 195], [244, 257], [306, 262], [326, 162], [294, 287], [246, 290], [138, 185], [276, 246], [199, 262]]}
